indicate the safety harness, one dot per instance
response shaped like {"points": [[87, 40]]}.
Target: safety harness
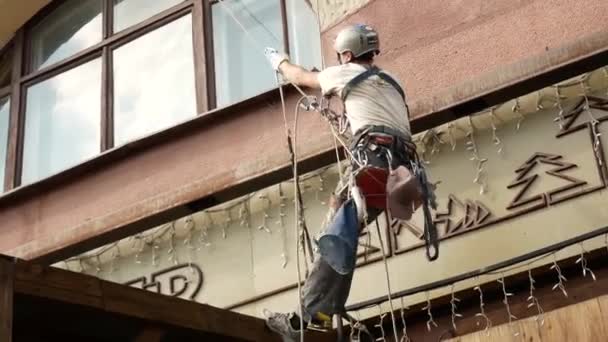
{"points": [[371, 71], [371, 178]]}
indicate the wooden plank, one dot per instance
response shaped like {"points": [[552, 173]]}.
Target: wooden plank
{"points": [[6, 299], [116, 299], [57, 284], [175, 311], [523, 330], [149, 306], [580, 322]]}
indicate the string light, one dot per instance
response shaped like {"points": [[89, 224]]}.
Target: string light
{"points": [[594, 123], [98, 268], [137, 238], [226, 224], [560, 277], [321, 189], [430, 322], [190, 226], [453, 302], [482, 310], [539, 101], [517, 110], [404, 336], [451, 135], [380, 324], [534, 302], [172, 252], [266, 215], [495, 139], [155, 246], [505, 301], [203, 237], [471, 146], [583, 261], [560, 115]]}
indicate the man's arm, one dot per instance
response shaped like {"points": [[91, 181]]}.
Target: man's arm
{"points": [[300, 76], [292, 73]]}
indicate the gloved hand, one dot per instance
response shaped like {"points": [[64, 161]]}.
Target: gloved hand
{"points": [[275, 58]]}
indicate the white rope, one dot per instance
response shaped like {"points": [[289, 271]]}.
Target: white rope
{"points": [[295, 169], [297, 206], [388, 278]]}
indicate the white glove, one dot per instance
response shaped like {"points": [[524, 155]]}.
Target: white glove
{"points": [[275, 58]]}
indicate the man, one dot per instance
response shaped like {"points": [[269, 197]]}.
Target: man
{"points": [[375, 107]]}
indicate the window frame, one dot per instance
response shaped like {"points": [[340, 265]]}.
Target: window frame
{"points": [[23, 76]]}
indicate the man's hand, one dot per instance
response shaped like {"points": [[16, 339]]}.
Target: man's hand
{"points": [[275, 58]]}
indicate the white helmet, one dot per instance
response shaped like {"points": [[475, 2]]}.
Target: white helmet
{"points": [[358, 39]]}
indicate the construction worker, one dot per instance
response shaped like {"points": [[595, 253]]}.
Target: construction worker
{"points": [[377, 113]]}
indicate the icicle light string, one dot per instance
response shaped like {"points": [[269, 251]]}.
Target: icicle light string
{"points": [[560, 277], [495, 139], [431, 321], [454, 308], [593, 121], [482, 310], [583, 262], [534, 302], [517, 110], [480, 162], [505, 301], [380, 324], [404, 336]]}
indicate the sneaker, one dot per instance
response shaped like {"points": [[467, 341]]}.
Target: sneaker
{"points": [[280, 324]]}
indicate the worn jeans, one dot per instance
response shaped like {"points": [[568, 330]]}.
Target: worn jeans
{"points": [[326, 291]]}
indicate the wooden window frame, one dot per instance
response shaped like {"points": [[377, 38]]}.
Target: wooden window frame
{"points": [[23, 77]]}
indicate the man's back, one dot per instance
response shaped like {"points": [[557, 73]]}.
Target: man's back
{"points": [[372, 102]]}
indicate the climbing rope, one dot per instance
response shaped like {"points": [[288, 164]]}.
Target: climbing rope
{"points": [[388, 278], [299, 217]]}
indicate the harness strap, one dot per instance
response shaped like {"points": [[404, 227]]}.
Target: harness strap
{"points": [[373, 71]]}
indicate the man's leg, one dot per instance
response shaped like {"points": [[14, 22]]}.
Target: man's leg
{"points": [[324, 289]]}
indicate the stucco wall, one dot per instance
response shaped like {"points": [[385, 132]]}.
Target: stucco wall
{"points": [[333, 11], [435, 46]]}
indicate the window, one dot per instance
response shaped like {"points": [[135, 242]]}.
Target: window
{"points": [[154, 85], [4, 119], [100, 73], [62, 121], [6, 59], [71, 28], [131, 12], [304, 35], [240, 66]]}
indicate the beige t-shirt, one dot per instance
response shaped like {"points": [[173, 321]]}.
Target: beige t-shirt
{"points": [[371, 102]]}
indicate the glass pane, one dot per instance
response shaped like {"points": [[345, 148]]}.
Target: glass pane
{"points": [[62, 121], [304, 36], [6, 62], [71, 28], [241, 68], [154, 87], [131, 12], [4, 119]]}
